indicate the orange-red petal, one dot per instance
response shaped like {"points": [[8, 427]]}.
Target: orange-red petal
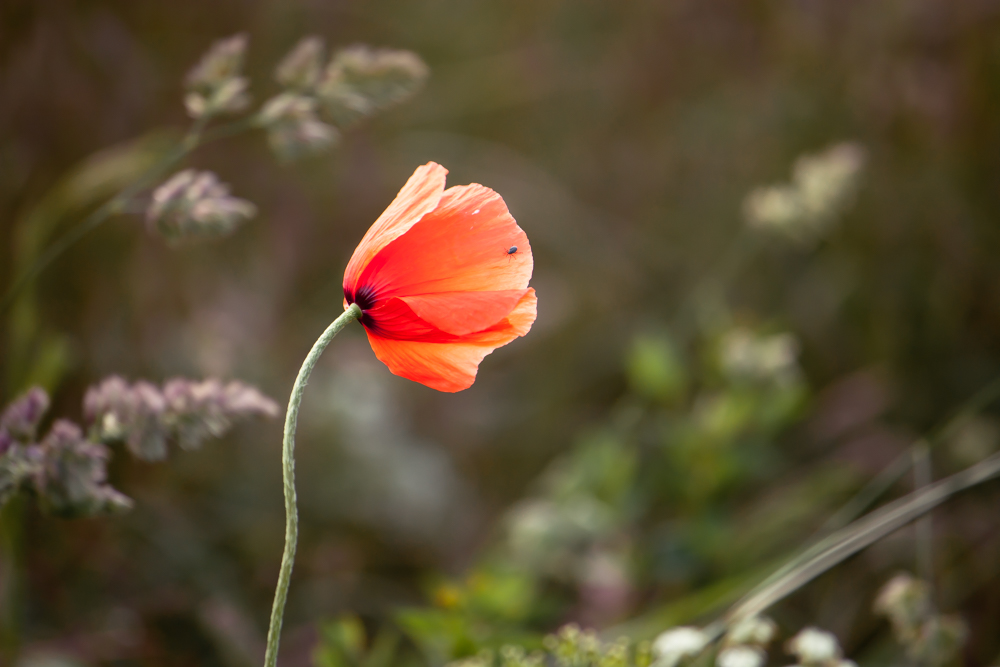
{"points": [[460, 246], [420, 195], [463, 313], [452, 366]]}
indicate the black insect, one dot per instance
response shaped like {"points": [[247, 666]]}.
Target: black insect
{"points": [[511, 251]]}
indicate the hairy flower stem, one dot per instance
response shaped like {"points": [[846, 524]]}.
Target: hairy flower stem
{"points": [[288, 477]]}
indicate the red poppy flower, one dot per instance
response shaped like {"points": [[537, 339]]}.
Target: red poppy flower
{"points": [[442, 280]]}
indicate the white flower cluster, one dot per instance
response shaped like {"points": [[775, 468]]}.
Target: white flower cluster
{"points": [[822, 187], [817, 648], [678, 644], [745, 354], [745, 645]]}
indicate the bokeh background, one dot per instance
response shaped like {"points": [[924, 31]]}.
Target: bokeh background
{"points": [[602, 470]]}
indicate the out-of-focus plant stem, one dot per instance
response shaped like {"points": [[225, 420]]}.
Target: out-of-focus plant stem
{"points": [[195, 138], [839, 527], [11, 525], [922, 477], [851, 539], [288, 478], [892, 473]]}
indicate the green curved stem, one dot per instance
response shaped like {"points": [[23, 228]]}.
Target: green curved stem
{"points": [[288, 477]]}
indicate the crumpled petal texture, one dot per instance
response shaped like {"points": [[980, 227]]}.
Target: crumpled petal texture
{"points": [[436, 285]]}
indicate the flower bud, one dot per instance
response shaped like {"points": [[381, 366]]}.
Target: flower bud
{"points": [[293, 129], [301, 68], [194, 205], [361, 81]]}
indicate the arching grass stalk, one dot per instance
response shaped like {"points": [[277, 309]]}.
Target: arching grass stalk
{"points": [[851, 539], [120, 203], [288, 479], [892, 473]]}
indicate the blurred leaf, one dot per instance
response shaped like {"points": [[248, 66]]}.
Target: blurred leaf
{"points": [[383, 649], [342, 643], [654, 368]]}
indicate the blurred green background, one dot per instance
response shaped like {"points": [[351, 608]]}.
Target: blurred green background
{"points": [[604, 469]]}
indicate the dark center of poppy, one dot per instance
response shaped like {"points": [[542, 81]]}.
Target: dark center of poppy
{"points": [[364, 297]]}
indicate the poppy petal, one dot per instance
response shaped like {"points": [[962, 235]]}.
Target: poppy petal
{"points": [[452, 366], [460, 246], [420, 195], [517, 323], [447, 367], [462, 313]]}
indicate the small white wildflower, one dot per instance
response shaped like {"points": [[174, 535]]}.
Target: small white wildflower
{"points": [[676, 644], [740, 656], [755, 630], [827, 181], [751, 356], [776, 208], [821, 188], [813, 646]]}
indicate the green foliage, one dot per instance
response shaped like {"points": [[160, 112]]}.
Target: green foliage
{"points": [[654, 368], [490, 607]]}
